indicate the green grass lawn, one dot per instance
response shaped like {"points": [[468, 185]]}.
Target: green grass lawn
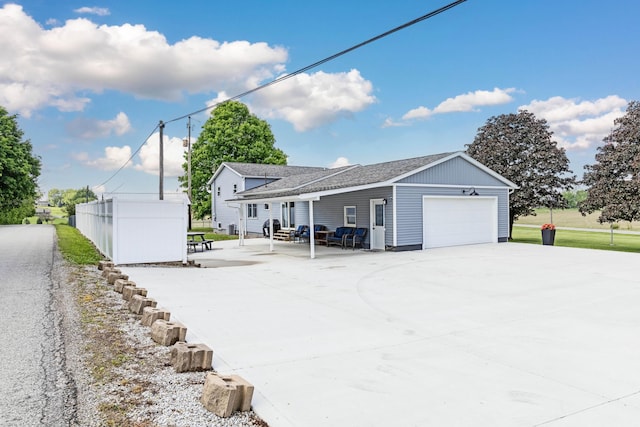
{"points": [[572, 218], [581, 239], [210, 235], [75, 247]]}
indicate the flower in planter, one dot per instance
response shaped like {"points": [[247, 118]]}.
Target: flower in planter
{"points": [[548, 227]]}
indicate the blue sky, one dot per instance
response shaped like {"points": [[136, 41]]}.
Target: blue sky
{"points": [[90, 81]]}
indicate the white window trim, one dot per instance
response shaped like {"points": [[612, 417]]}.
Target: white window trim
{"points": [[255, 211], [346, 216]]}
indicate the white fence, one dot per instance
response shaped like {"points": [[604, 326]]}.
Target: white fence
{"points": [[135, 231]]}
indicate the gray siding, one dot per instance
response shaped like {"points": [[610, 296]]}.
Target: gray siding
{"points": [[221, 213], [329, 210], [250, 183], [456, 171], [409, 210]]}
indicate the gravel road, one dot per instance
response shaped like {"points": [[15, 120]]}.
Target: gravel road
{"points": [[36, 388]]}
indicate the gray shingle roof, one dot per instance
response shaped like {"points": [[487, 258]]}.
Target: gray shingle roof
{"points": [[256, 170], [335, 179]]}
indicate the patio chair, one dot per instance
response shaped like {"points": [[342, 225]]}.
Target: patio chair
{"points": [[356, 239], [298, 233], [317, 227], [338, 237]]}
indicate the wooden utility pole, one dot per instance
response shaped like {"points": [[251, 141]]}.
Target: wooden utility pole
{"points": [[161, 167], [189, 168]]}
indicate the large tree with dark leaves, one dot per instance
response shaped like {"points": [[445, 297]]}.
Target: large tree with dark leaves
{"points": [[519, 147], [231, 134], [19, 172], [614, 180]]}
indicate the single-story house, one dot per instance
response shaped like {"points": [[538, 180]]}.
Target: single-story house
{"points": [[425, 202], [232, 178]]}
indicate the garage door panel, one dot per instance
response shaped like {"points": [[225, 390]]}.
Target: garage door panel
{"points": [[452, 221]]}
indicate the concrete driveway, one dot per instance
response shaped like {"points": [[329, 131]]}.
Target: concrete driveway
{"points": [[485, 335]]}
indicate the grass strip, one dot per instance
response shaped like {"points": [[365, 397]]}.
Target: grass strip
{"points": [[581, 239], [75, 247]]}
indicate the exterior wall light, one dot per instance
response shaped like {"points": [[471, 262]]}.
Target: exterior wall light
{"points": [[471, 191]]}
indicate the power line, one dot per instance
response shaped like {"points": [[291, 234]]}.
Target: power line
{"points": [[130, 158], [299, 71], [327, 59]]}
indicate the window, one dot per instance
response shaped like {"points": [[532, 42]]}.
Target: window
{"points": [[349, 216], [252, 210]]}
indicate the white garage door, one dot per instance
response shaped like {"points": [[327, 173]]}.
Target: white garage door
{"points": [[453, 221]]}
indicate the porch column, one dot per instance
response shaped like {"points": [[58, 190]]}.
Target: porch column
{"points": [[312, 234], [241, 225], [270, 227]]}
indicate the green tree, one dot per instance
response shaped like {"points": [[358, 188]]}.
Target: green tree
{"points": [[613, 182], [231, 134], [72, 198], [519, 147], [574, 198], [55, 197], [19, 172]]}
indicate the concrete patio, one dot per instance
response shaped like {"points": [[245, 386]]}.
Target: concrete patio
{"points": [[485, 335]]}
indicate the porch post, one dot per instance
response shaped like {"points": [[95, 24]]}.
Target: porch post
{"points": [[312, 234], [270, 227], [241, 225]]}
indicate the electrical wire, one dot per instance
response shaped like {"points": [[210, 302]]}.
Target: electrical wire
{"points": [[327, 59], [295, 73], [130, 158]]}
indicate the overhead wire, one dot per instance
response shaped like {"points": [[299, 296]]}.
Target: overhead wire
{"points": [[130, 158], [327, 59], [299, 71]]}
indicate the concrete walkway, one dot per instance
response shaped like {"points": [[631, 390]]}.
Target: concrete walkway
{"points": [[487, 335]]}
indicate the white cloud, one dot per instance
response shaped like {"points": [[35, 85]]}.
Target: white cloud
{"points": [[148, 157], [418, 113], [114, 158], [462, 103], [390, 123], [339, 162], [578, 124], [311, 100], [92, 128], [172, 153], [51, 67], [100, 11]]}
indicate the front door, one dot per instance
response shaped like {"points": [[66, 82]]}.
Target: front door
{"points": [[377, 225]]}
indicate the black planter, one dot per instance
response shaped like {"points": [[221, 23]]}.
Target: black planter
{"points": [[548, 237]]}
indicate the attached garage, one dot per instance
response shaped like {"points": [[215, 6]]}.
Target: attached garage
{"points": [[453, 221]]}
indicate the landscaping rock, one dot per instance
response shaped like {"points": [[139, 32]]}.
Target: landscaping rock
{"points": [[151, 314], [223, 395], [119, 284], [112, 277], [168, 333], [129, 291], [103, 264], [191, 357], [107, 270], [138, 303]]}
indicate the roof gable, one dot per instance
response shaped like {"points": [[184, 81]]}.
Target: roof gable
{"points": [[261, 170]]}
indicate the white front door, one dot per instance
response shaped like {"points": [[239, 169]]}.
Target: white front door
{"points": [[377, 229]]}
